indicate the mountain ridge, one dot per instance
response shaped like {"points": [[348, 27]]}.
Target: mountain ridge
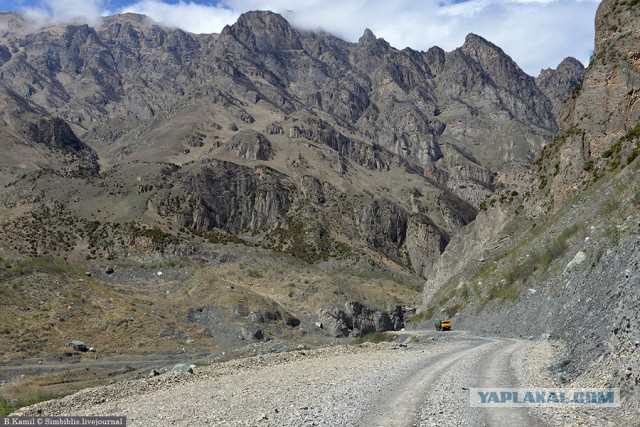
{"points": [[358, 117], [294, 171]]}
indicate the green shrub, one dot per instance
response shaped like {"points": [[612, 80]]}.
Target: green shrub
{"points": [[254, 273]]}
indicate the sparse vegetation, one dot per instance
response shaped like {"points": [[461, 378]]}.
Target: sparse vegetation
{"points": [[256, 274], [27, 399], [374, 338]]}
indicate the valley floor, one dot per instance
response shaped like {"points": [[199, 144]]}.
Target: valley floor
{"points": [[424, 382]]}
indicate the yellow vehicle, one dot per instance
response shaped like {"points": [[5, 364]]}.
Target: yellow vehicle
{"points": [[443, 325]]}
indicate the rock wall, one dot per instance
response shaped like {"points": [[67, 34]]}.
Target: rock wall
{"points": [[356, 320], [233, 197]]}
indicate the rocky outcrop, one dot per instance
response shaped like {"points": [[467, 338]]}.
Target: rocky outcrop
{"points": [[383, 226], [55, 133], [356, 320], [599, 122], [424, 244], [361, 153], [264, 32], [274, 316], [251, 145], [231, 197], [78, 346]]}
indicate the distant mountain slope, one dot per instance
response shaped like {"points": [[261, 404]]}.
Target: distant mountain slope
{"points": [[393, 150]]}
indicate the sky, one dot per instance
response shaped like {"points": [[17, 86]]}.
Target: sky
{"points": [[537, 34]]}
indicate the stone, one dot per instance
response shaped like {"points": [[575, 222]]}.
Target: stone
{"points": [[356, 319], [154, 373], [247, 333], [578, 259], [291, 321], [182, 367], [77, 345]]}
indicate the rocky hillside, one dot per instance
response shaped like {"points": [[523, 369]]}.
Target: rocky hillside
{"points": [[559, 256], [262, 169], [401, 146]]}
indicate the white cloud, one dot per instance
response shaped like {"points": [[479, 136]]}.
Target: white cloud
{"points": [[190, 16], [56, 11], [536, 33]]}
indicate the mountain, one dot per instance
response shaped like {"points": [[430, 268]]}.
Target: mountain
{"points": [[558, 257], [446, 129], [285, 169]]}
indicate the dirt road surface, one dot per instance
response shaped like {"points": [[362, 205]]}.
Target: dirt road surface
{"points": [[423, 381]]}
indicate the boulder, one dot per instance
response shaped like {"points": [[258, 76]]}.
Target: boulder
{"points": [[251, 334], [182, 367], [578, 259], [78, 346]]}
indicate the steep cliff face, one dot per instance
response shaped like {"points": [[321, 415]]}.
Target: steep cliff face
{"points": [[558, 257], [232, 197], [599, 121]]}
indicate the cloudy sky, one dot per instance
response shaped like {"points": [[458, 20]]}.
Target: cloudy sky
{"points": [[537, 34]]}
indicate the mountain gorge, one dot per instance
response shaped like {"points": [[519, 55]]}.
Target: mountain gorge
{"points": [[196, 181], [169, 193]]}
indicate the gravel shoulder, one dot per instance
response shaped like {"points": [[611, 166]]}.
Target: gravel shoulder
{"points": [[424, 382]]}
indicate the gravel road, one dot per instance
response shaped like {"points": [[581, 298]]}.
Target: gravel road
{"points": [[422, 383]]}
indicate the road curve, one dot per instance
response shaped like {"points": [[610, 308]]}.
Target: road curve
{"points": [[422, 383]]}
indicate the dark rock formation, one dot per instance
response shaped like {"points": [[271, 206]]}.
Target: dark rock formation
{"points": [[233, 197], [356, 320], [78, 346], [251, 145]]}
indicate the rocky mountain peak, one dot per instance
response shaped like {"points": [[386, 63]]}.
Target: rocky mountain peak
{"points": [[265, 31], [478, 47], [491, 58], [372, 44], [558, 83], [127, 17], [612, 18], [367, 37], [570, 64], [599, 120], [13, 22]]}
